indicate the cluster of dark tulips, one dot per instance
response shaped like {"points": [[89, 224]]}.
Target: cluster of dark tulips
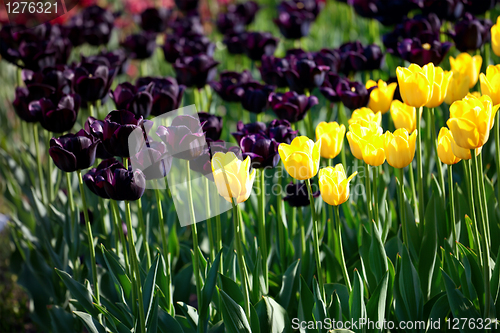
{"points": [[59, 96]]}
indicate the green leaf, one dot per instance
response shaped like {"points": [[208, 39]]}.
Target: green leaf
{"points": [[258, 280], [460, 306], [117, 272], [79, 292], [427, 257], [319, 309], [334, 309], [190, 313], [232, 289], [438, 313], [375, 308], [149, 286], [277, 317], [233, 315], [167, 323], [152, 324], [208, 290], [92, 324], [495, 281], [112, 320], [290, 284], [306, 304], [356, 301]]}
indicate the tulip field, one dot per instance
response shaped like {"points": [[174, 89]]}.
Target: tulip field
{"points": [[266, 166]]}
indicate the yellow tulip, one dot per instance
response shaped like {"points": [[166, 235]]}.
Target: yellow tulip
{"points": [[367, 142], [441, 82], [333, 185], [399, 147], [416, 83], [404, 116], [232, 177], [468, 66], [458, 87], [445, 151], [471, 120], [490, 83], [331, 136], [365, 114], [495, 37], [460, 152], [382, 96], [301, 157]]}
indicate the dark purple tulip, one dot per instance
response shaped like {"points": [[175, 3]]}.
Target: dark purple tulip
{"points": [[272, 71], [235, 43], [470, 33], [294, 24], [304, 75], [21, 106], [450, 10], [212, 125], [262, 150], [237, 17], [122, 184], [9, 43], [140, 46], [328, 57], [414, 51], [184, 138], [51, 80], [356, 58], [154, 19], [116, 59], [93, 25], [308, 6], [387, 12], [138, 100], [176, 47], [116, 129], [246, 10], [258, 44], [92, 81], [57, 115], [291, 106], [247, 129], [281, 131], [187, 25], [153, 160], [229, 85], [186, 5], [96, 127], [297, 194], [255, 98], [92, 177], [478, 7], [329, 87], [167, 94], [195, 71], [73, 152], [353, 95]]}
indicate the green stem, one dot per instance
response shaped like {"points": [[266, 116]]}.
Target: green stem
{"points": [[209, 222], [161, 223], [435, 142], [91, 110], [261, 226], [302, 232], [401, 189], [39, 163], [315, 239], [497, 148], [456, 237], [482, 225], [90, 239], [420, 176], [469, 182], [135, 268], [281, 233], [49, 173], [121, 236], [368, 194], [144, 231], [375, 196], [341, 249], [485, 201], [413, 190], [196, 255]]}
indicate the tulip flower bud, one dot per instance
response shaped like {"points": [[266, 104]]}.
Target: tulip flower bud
{"points": [[73, 152], [367, 142], [404, 116], [416, 83], [301, 157], [441, 82], [444, 149], [381, 97], [334, 185], [458, 87], [365, 114], [468, 65], [495, 37], [331, 136], [232, 176], [400, 147], [471, 120]]}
